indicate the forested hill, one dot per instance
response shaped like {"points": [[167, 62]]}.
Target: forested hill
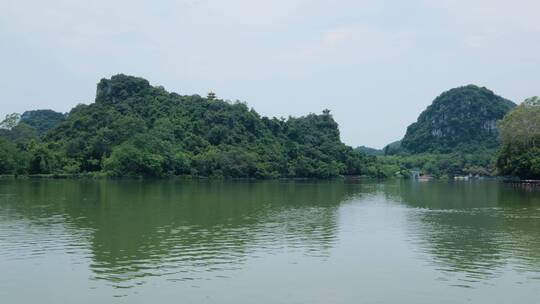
{"points": [[463, 119], [135, 129], [30, 126], [42, 120]]}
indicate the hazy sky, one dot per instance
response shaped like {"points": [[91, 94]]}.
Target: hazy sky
{"points": [[375, 63]]}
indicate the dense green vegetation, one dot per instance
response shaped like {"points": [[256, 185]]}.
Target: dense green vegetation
{"points": [[463, 119], [30, 126], [519, 155], [135, 129], [456, 135], [441, 165]]}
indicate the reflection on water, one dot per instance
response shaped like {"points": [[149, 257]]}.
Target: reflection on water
{"points": [[126, 233], [134, 229], [474, 229]]}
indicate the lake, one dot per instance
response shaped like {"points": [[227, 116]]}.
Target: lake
{"points": [[181, 241]]}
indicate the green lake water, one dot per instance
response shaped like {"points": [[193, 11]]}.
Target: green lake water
{"points": [[177, 241]]}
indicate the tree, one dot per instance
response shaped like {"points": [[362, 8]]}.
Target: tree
{"points": [[8, 154], [10, 121], [519, 155], [42, 159]]}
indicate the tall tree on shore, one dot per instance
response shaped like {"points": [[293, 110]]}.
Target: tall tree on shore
{"points": [[519, 155]]}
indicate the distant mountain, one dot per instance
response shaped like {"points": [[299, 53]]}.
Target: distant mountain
{"points": [[30, 126], [370, 151], [393, 148], [42, 120], [463, 119]]}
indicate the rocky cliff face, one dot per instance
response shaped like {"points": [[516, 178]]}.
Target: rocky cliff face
{"points": [[121, 87]]}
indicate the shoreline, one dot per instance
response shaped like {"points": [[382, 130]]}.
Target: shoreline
{"points": [[183, 177]]}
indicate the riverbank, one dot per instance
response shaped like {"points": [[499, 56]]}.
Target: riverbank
{"points": [[187, 177]]}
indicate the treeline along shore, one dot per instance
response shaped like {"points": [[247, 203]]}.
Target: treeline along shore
{"points": [[134, 129]]}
